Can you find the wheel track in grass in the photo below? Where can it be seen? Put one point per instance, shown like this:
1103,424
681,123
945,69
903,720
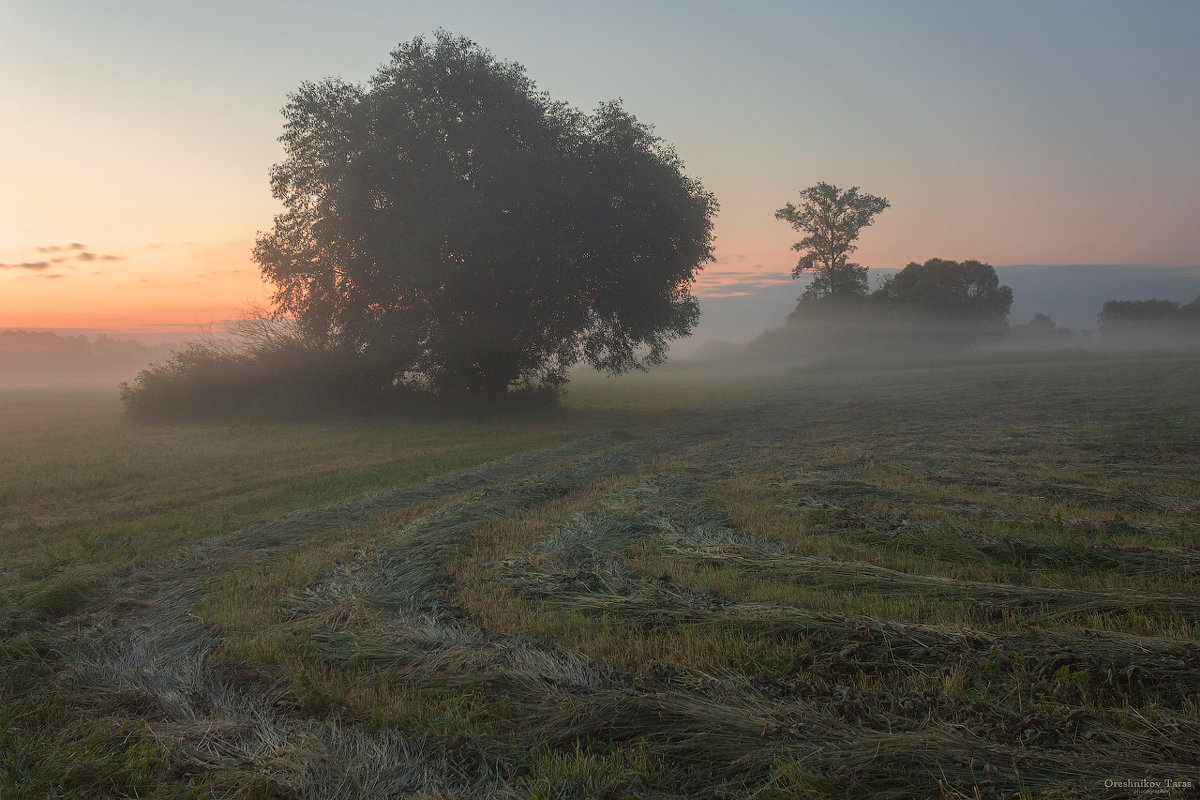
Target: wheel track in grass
145,650
144,653
1152,660
587,572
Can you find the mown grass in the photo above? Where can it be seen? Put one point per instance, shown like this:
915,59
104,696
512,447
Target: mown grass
963,580
80,479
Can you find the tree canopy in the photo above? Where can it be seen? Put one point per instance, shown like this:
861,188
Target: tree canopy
451,222
951,302
938,306
832,220
1150,319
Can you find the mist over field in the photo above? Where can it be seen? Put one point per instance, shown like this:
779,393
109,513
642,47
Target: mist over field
674,584
30,358
566,401
1071,295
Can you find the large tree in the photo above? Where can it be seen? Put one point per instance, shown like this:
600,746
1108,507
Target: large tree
832,220
451,222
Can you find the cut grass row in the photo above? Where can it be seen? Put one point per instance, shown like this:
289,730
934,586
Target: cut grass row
863,584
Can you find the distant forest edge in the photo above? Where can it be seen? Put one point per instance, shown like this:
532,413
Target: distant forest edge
37,357
34,357
892,320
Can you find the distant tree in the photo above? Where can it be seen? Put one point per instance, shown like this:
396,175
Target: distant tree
16,340
1151,322
69,350
832,220
1042,325
1137,317
452,222
1040,332
951,303
1190,314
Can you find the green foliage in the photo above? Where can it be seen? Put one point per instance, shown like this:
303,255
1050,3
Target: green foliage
1162,321
947,304
451,221
937,307
1135,314
962,581
833,220
58,598
215,382
1040,330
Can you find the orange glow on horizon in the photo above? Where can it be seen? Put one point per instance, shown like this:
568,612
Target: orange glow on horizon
190,287
153,288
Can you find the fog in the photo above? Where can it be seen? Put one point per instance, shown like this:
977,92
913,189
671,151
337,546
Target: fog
1070,295
43,358
1054,308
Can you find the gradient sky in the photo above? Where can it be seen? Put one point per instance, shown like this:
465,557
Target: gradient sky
136,136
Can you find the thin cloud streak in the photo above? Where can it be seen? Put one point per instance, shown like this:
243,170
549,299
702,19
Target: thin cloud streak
723,295
90,256
738,283
58,248
33,265
64,253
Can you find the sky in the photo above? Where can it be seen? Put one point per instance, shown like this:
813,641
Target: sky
137,136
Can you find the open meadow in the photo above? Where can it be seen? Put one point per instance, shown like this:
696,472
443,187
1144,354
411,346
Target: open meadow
973,580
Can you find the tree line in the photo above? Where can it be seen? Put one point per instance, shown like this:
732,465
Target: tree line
451,234
26,353
939,306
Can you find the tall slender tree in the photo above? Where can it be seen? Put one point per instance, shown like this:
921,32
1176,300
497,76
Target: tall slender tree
832,220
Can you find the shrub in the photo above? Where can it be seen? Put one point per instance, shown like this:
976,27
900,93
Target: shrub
270,370
265,368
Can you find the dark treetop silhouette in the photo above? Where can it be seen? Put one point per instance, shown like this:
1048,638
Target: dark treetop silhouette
833,220
449,221
947,304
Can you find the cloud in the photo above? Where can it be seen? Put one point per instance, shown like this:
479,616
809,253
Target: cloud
48,275
736,289
64,255
757,273
33,265
721,284
87,255
58,248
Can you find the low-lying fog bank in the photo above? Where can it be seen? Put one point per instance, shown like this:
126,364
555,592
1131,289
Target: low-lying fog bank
34,359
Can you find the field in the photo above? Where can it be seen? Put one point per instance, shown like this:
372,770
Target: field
975,580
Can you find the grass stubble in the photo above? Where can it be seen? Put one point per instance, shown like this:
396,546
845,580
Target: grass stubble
975,581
